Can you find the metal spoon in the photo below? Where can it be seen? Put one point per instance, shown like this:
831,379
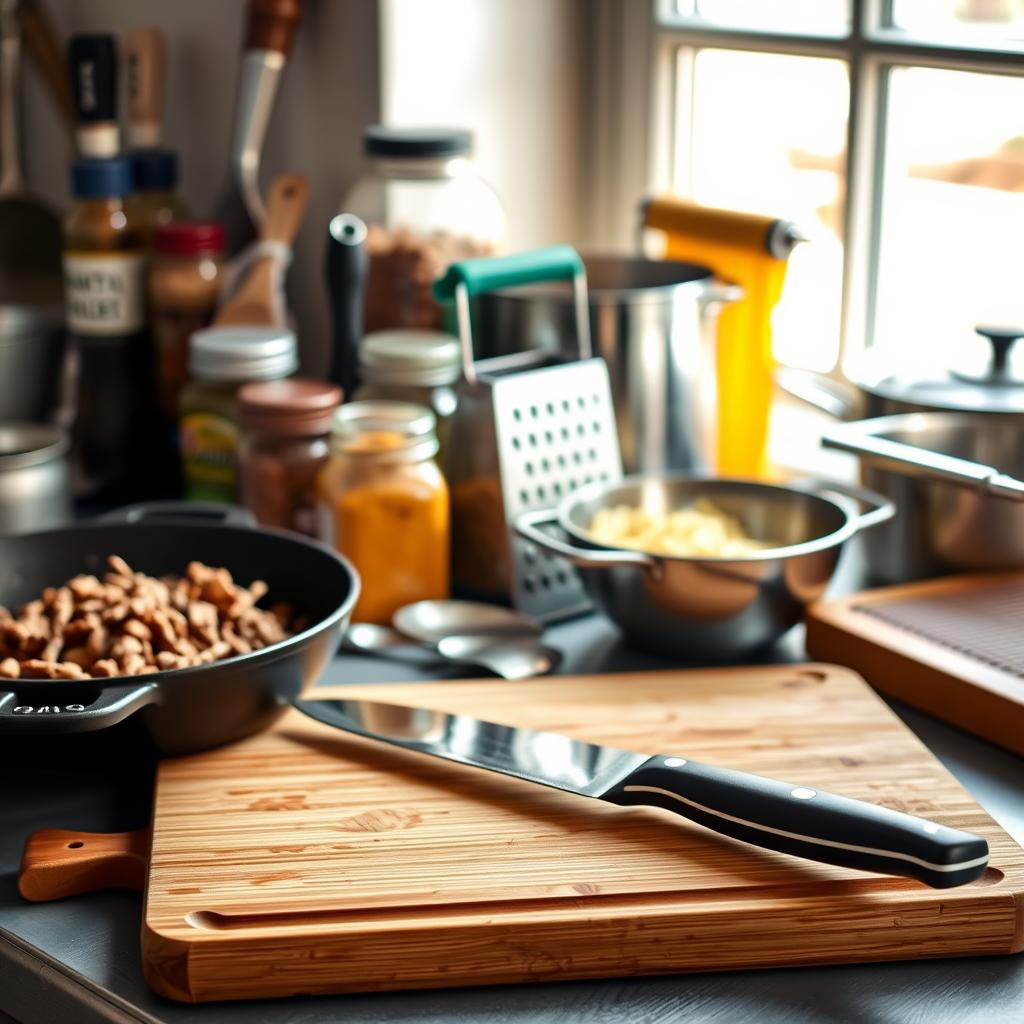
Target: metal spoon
432,621
383,641
508,657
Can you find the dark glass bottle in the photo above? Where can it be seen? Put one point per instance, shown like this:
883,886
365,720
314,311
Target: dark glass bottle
104,278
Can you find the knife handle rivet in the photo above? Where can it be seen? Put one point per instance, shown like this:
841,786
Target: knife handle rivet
675,762
803,794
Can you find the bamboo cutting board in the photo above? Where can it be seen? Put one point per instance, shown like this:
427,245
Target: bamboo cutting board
306,861
953,647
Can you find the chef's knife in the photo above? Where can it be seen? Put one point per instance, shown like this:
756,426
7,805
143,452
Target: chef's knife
790,818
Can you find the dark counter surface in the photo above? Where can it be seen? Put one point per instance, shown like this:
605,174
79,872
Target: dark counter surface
77,961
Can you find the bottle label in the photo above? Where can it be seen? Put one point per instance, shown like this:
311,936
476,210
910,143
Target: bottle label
104,293
209,453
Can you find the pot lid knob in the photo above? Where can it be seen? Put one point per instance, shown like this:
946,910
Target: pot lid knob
999,373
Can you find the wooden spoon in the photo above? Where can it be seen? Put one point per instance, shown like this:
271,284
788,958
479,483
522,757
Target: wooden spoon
253,302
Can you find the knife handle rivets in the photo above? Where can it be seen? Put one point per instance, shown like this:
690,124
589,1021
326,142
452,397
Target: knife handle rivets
803,794
675,762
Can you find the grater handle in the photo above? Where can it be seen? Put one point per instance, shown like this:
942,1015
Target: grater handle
529,524
466,278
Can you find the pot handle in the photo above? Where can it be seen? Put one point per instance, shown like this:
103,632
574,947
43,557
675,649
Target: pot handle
181,512
45,707
921,462
832,397
466,278
528,525
721,292
880,508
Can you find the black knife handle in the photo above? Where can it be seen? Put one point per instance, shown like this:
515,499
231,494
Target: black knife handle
806,822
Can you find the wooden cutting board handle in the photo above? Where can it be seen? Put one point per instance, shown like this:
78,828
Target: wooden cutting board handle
57,863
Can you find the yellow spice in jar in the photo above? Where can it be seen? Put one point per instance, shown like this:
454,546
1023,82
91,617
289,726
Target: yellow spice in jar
387,511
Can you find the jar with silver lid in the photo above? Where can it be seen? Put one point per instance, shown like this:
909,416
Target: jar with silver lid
221,361
421,367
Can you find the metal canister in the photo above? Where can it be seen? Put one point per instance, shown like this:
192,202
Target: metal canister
35,488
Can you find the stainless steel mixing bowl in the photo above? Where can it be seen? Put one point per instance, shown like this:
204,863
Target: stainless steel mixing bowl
710,608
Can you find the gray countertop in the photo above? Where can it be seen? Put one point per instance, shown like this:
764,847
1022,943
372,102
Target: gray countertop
77,961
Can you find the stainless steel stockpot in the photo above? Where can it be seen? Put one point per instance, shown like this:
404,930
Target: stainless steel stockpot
710,608
35,488
31,358
652,321
956,480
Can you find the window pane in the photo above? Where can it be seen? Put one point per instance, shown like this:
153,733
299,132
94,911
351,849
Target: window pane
970,20
952,225
831,16
768,135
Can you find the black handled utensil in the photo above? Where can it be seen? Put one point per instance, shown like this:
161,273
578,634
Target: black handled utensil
345,269
775,815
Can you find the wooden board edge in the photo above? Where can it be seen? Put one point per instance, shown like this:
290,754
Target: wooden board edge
979,710
495,952
846,613
366,690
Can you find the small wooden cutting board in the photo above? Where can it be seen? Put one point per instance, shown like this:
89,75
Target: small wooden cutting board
303,860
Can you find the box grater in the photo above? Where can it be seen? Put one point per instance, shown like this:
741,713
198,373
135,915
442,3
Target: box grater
529,429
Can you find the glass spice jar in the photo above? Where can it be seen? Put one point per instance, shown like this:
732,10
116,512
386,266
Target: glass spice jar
285,430
420,367
185,278
425,206
383,503
221,360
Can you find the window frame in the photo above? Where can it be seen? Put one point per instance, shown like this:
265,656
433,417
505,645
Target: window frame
872,47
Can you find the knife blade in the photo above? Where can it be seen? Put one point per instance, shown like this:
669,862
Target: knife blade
789,818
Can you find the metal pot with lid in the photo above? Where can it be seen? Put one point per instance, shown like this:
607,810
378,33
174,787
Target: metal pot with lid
957,480
991,384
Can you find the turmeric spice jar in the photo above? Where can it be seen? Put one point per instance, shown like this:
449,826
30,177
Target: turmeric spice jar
383,504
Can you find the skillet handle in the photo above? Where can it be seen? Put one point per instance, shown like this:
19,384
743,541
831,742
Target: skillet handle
49,707
182,512
529,524
56,863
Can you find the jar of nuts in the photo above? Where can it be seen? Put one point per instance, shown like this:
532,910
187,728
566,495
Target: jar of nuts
425,207
285,430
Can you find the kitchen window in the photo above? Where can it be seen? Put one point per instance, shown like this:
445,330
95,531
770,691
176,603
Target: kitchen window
891,130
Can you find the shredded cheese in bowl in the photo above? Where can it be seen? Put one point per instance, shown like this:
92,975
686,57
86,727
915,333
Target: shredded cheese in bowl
702,530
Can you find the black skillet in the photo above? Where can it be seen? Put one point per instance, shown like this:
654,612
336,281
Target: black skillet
189,709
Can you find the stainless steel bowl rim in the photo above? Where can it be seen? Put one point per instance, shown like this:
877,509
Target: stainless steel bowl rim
812,489
39,443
